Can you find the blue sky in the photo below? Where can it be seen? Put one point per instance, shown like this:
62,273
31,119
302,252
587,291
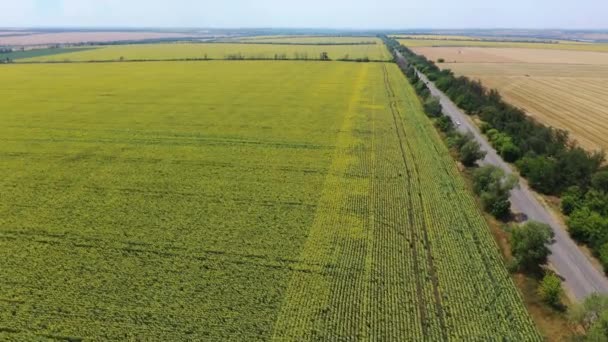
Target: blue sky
591,14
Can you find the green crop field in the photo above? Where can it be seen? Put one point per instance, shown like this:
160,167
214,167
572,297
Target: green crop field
314,40
427,37
17,55
252,200
220,51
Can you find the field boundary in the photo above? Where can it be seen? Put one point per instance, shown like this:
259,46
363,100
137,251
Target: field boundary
199,60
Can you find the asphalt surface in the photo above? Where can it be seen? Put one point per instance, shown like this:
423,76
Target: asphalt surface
580,277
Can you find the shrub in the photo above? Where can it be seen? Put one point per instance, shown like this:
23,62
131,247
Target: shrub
571,200
599,181
509,152
470,153
550,290
603,255
445,124
432,107
529,245
494,189
541,172
588,226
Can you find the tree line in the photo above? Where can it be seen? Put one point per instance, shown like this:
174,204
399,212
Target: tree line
529,243
240,42
551,162
545,156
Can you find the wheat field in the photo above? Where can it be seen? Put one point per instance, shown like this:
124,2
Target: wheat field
561,45
566,89
570,97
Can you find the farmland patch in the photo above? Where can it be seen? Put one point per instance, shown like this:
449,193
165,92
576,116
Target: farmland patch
222,51
238,201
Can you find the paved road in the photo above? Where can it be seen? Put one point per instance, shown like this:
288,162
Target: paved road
580,277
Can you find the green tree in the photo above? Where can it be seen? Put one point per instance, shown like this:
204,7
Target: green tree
530,245
497,205
445,124
471,152
542,173
550,290
588,226
509,152
432,106
603,255
494,189
421,89
571,200
577,166
599,181
597,201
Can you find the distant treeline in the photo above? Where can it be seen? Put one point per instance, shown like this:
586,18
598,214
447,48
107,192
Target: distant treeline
271,37
551,162
118,42
200,41
143,41
229,57
292,43
485,40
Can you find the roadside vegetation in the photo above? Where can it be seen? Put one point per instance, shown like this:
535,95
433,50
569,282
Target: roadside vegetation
546,157
527,244
591,319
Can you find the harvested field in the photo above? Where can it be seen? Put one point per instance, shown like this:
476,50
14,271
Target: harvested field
561,45
462,54
570,97
433,37
84,37
220,51
14,33
512,55
584,71
238,201
566,89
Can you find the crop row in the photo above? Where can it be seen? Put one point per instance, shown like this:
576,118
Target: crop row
405,252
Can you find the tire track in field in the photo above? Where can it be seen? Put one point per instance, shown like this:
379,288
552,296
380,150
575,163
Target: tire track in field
433,270
486,265
410,206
